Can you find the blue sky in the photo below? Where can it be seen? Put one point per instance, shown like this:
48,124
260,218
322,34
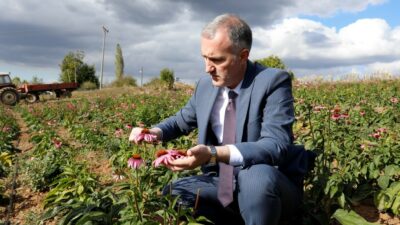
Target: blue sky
390,11
326,38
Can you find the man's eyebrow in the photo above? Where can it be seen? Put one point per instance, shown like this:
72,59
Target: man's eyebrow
212,57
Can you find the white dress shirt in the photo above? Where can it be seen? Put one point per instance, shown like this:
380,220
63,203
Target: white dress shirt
217,122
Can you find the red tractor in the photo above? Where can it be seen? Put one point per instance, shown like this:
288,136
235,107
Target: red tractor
10,94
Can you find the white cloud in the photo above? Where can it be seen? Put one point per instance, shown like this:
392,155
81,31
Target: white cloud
306,44
390,67
165,33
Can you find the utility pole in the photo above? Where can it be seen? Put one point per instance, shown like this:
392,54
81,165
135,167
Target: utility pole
75,69
105,31
141,76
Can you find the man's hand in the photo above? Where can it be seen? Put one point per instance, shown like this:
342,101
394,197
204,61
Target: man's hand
196,156
138,134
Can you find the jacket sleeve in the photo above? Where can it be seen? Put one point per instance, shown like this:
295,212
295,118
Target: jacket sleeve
275,134
182,123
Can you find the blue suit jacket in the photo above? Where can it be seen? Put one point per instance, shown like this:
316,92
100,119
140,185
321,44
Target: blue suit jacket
264,112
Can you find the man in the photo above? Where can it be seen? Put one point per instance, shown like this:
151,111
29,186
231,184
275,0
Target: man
267,169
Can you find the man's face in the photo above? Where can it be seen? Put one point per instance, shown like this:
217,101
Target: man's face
226,66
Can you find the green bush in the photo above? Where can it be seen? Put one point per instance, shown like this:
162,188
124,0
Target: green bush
88,85
42,171
126,81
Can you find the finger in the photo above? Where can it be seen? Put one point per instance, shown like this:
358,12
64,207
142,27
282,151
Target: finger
180,162
176,168
189,152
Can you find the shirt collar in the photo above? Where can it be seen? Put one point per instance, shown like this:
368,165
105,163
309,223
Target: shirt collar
236,89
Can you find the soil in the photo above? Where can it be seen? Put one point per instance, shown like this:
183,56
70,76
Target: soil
25,201
371,214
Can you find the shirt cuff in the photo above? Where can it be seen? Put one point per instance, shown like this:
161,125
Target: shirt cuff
160,138
236,158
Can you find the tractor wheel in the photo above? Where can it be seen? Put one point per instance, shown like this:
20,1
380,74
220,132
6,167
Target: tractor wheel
31,98
9,96
66,94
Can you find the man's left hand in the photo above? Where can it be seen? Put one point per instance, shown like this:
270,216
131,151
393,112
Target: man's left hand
196,156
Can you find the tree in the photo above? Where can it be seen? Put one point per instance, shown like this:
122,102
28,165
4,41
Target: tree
125,81
273,61
167,76
87,73
36,80
74,69
119,63
17,81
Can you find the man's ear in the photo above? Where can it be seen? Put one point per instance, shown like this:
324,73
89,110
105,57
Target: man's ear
244,54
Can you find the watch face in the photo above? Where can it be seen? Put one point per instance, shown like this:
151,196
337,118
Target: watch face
213,159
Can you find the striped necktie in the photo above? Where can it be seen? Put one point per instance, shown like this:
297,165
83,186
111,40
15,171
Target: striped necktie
225,185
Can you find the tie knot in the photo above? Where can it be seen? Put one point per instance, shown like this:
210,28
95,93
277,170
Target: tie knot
232,95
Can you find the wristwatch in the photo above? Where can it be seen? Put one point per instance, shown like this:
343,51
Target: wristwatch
213,159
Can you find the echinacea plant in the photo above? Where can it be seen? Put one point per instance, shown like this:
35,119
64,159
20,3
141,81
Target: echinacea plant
57,143
166,156
146,136
135,161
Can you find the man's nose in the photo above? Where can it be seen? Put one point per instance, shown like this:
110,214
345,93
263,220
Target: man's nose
209,67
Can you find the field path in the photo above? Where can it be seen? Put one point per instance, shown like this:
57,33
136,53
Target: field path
25,201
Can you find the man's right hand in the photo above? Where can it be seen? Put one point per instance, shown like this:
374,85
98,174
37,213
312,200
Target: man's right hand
138,131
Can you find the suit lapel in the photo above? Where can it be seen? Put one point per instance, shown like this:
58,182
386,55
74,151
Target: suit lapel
242,106
204,114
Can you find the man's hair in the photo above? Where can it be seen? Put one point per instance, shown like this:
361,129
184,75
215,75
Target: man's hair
238,31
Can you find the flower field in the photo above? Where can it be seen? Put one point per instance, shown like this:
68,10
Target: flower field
81,163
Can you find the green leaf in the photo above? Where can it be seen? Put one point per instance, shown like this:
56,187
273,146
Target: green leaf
383,181
396,205
391,170
345,217
342,200
80,189
382,200
92,216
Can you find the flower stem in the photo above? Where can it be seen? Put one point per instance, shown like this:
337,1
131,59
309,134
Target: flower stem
137,207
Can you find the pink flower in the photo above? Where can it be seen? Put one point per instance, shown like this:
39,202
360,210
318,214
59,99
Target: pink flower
70,106
381,130
57,143
166,156
128,126
335,116
362,113
146,136
336,110
376,135
135,161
